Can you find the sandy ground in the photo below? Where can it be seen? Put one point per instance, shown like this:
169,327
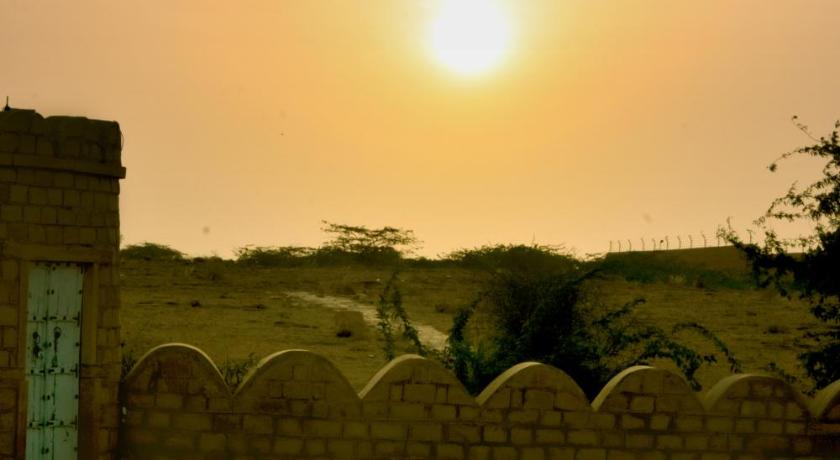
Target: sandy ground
430,336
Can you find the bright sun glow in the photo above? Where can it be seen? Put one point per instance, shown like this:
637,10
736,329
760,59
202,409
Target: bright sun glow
470,37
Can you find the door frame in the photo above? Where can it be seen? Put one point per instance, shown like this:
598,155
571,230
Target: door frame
90,374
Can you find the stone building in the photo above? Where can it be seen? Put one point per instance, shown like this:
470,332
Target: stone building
59,295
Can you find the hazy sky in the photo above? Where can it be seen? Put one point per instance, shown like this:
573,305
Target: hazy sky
249,122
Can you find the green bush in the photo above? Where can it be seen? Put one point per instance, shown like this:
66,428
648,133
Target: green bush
508,256
551,317
390,309
279,256
234,370
151,251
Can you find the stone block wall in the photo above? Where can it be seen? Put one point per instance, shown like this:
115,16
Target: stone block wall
296,405
59,188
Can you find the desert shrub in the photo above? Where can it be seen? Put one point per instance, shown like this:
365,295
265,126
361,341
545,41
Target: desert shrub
350,245
151,251
234,370
127,361
650,267
389,310
508,256
328,256
277,256
551,317
358,239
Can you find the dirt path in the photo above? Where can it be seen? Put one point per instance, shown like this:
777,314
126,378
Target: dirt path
428,335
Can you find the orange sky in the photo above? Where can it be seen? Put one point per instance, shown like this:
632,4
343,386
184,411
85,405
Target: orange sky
606,120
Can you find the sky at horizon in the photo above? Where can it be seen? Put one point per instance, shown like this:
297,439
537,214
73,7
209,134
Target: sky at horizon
248,123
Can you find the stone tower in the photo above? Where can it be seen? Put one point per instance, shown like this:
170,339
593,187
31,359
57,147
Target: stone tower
59,286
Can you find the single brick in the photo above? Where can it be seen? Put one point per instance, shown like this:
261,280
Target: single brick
549,436
521,436
494,434
620,455
169,401
11,213
660,422
158,419
288,446
426,432
504,453
539,399
478,452
191,422
524,416
407,410
688,423
591,454
603,421
289,426
418,450
583,437
745,426
443,412
381,430
639,441
630,422
469,434
643,404
532,453
315,447
259,424
561,453
770,426
449,452
719,424
341,448
389,449
395,392
18,194
715,456
753,409
212,442
551,418
355,430
577,419
669,442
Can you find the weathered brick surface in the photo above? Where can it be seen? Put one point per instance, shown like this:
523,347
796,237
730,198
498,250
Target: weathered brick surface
58,194
297,405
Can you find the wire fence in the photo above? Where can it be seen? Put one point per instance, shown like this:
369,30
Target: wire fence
674,242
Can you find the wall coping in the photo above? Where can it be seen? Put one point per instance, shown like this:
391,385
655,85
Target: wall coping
23,160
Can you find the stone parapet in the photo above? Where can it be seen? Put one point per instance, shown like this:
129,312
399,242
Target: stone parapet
297,405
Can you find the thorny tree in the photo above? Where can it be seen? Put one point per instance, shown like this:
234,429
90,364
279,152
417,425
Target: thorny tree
815,273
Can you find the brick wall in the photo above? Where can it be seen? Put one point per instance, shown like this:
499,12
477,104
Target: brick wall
295,404
59,187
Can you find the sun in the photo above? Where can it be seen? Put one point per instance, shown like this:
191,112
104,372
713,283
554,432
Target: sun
470,37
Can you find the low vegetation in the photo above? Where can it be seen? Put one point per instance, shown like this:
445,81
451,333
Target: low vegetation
235,310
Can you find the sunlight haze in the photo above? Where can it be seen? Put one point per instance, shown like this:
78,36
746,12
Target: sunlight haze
557,122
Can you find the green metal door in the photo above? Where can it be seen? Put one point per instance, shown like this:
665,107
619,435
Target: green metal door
53,341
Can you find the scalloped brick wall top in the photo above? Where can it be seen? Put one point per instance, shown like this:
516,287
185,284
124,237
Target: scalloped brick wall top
296,404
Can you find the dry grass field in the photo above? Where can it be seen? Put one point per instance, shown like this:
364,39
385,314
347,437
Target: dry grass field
235,313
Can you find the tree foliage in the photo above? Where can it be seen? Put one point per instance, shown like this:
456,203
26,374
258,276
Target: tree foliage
814,274
366,241
151,251
551,317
